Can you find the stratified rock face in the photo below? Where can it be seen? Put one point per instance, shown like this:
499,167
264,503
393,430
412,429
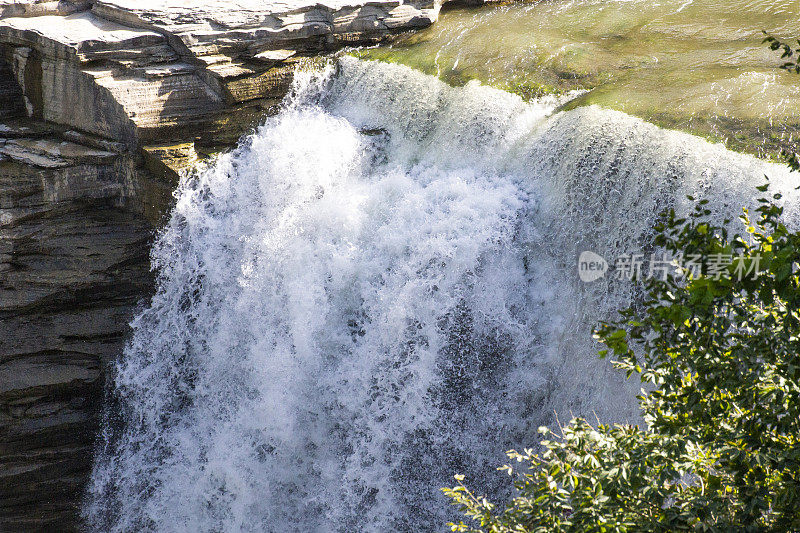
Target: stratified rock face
73,265
246,29
151,70
102,103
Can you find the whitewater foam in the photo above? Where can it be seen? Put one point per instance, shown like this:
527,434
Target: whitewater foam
377,290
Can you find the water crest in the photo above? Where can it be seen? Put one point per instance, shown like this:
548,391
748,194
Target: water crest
377,290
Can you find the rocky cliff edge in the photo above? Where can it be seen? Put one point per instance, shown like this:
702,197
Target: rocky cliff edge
102,102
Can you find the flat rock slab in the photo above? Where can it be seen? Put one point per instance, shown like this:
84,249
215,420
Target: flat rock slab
249,27
80,32
49,153
184,15
32,8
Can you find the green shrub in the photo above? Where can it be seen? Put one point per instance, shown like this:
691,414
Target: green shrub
791,63
722,452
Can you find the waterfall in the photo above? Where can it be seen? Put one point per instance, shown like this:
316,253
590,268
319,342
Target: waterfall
377,290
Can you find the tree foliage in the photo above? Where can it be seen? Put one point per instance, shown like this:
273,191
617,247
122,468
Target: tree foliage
791,63
720,354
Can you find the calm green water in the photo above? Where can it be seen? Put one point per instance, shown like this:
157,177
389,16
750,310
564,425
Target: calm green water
696,65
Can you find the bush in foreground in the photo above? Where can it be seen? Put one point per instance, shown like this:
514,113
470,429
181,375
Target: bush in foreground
721,354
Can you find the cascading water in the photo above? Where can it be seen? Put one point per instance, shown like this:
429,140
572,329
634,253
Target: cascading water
664,61
378,290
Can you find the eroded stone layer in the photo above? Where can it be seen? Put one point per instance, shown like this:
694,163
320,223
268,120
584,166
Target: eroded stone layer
73,266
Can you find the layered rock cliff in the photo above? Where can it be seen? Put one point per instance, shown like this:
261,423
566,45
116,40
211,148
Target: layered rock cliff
102,103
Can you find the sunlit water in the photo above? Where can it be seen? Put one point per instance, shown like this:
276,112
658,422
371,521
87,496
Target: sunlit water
696,65
378,290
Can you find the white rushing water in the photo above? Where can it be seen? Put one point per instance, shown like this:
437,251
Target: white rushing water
378,290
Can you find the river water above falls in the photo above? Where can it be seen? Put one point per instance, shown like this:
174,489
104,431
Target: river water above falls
695,65
377,290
